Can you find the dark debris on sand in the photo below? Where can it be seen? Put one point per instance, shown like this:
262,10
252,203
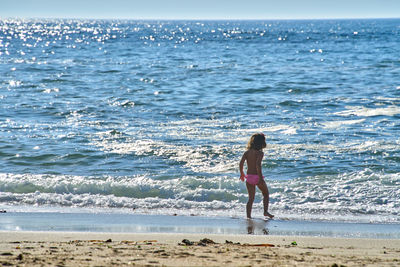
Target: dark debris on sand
203,242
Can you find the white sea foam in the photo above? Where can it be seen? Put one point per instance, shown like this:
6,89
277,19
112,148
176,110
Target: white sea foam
215,158
369,112
285,129
363,194
338,124
368,195
197,158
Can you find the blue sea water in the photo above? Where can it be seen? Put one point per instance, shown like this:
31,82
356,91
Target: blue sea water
153,116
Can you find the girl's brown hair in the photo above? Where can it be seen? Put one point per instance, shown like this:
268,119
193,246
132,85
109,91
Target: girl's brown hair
257,142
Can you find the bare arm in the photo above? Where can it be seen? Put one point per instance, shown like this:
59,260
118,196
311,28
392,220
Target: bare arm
241,164
258,165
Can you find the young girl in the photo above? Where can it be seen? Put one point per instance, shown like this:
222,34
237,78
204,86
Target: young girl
253,156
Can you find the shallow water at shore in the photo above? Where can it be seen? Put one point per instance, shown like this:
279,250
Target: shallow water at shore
140,223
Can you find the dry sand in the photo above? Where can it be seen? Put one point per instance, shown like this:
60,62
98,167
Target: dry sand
126,249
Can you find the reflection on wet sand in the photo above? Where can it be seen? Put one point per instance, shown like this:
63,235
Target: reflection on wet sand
257,226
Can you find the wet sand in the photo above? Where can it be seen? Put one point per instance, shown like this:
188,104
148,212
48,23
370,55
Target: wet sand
181,249
145,223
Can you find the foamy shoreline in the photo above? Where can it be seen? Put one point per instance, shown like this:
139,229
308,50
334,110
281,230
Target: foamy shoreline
169,249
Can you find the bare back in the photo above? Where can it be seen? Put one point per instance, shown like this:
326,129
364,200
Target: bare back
253,159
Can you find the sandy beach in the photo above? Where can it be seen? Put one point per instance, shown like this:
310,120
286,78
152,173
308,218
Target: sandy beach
172,249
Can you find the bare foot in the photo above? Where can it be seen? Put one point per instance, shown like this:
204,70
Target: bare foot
267,214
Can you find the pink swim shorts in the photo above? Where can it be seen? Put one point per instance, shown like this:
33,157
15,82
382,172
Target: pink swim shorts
252,178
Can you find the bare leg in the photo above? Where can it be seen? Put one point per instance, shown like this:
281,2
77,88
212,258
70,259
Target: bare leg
264,189
251,189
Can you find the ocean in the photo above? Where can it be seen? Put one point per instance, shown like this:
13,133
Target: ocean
152,117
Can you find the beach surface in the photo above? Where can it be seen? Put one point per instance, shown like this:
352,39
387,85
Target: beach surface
108,239
185,249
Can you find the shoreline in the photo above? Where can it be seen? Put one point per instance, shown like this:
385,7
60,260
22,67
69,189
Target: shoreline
108,239
145,223
171,249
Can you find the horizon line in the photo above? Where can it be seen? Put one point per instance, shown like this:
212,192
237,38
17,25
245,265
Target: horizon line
194,19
